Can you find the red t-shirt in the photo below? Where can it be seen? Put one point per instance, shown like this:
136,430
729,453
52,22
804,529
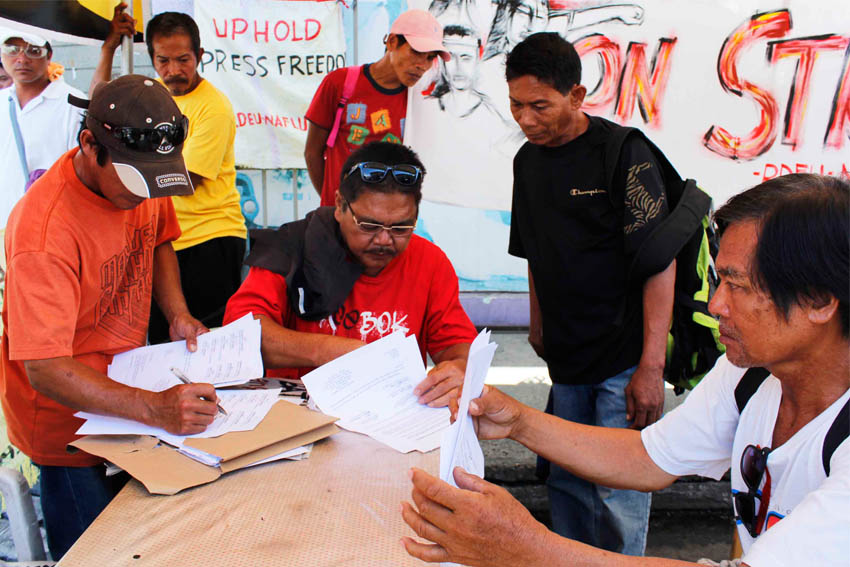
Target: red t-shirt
78,283
416,293
372,114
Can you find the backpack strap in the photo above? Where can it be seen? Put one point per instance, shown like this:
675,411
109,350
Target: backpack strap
838,432
351,74
19,139
747,386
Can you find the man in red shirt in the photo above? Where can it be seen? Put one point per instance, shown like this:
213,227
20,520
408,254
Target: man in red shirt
377,106
353,273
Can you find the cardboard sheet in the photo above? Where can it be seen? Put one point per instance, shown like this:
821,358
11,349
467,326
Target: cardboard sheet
339,507
164,470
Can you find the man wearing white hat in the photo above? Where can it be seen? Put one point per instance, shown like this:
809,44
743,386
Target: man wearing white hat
355,106
37,125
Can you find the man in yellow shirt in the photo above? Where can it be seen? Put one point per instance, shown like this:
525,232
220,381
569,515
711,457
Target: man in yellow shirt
212,246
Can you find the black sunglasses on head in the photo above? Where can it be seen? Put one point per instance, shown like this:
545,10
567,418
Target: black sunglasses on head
148,139
375,172
753,466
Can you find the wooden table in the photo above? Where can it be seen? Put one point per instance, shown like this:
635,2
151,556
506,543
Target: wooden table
339,507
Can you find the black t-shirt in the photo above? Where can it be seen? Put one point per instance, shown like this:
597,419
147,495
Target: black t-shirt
579,237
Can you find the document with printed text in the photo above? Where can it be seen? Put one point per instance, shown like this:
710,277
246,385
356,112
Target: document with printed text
370,390
460,447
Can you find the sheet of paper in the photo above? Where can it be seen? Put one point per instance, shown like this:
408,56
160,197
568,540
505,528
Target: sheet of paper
226,356
296,454
371,391
245,410
460,447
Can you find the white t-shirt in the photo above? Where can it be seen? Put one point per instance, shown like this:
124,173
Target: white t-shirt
808,519
49,127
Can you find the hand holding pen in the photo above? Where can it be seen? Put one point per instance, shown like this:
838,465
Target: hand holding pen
185,379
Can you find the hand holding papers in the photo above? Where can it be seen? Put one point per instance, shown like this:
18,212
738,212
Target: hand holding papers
460,447
371,390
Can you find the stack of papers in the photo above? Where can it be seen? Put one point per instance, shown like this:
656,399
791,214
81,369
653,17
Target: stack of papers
460,447
226,356
370,390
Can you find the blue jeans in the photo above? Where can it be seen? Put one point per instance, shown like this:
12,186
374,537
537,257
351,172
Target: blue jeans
615,520
71,498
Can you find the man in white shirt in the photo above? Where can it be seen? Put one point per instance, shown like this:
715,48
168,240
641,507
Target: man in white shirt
775,407
48,125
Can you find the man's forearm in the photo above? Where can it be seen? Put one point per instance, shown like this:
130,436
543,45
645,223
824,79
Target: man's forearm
314,155
458,353
611,457
167,290
79,387
103,71
285,348
658,293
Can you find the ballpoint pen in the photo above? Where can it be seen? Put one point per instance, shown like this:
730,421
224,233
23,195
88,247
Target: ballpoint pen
185,379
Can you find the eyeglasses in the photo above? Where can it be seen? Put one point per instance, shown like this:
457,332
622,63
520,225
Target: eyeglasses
31,51
149,139
374,227
753,467
374,172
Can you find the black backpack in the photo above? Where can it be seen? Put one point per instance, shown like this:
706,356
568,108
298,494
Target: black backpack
687,235
837,433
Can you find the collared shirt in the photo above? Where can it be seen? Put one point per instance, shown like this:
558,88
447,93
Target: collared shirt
49,127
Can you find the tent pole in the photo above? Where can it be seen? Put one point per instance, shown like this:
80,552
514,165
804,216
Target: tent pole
127,47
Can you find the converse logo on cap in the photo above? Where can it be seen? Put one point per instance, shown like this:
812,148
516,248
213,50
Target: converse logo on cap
171,179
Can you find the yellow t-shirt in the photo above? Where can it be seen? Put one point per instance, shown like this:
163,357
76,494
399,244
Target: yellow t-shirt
214,210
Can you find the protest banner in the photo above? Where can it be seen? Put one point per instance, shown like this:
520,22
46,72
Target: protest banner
733,92
268,57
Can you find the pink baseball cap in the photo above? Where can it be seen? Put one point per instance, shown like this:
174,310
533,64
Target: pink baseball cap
422,31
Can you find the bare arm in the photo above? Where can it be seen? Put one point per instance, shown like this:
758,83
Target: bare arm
535,318
645,392
121,25
179,409
314,155
168,294
285,348
447,375
611,457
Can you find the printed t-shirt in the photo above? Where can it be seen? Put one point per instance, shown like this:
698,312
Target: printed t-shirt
807,521
78,284
372,114
579,237
416,293
49,126
214,209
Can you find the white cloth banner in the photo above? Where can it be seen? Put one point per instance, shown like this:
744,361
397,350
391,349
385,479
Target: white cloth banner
734,92
268,57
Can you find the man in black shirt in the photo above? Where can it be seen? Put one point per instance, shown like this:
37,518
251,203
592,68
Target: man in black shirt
579,221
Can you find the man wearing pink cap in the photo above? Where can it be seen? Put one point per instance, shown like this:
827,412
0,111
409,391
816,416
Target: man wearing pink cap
357,105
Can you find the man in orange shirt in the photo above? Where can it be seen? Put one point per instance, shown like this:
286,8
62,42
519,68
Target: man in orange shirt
87,247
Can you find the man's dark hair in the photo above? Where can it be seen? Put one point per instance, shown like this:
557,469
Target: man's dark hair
170,23
547,56
803,250
387,153
102,151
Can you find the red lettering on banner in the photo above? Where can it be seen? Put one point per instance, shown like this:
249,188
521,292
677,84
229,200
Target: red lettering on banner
839,118
273,120
243,27
276,35
759,139
317,26
635,82
220,33
258,33
771,170
609,56
807,50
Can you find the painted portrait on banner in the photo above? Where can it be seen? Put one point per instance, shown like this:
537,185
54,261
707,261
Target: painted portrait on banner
734,93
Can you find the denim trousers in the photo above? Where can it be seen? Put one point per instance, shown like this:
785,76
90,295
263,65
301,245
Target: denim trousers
71,498
615,520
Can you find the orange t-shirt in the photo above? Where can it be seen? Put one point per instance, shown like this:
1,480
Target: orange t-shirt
78,283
